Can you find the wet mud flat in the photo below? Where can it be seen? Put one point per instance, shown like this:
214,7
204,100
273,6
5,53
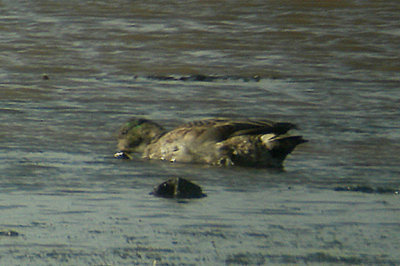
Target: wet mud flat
239,225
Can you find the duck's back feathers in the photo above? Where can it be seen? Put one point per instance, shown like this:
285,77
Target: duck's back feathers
220,129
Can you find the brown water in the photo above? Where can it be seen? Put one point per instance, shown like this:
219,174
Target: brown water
332,67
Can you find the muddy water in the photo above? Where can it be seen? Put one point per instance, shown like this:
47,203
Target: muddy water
73,71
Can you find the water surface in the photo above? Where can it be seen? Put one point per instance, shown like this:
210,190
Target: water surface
329,66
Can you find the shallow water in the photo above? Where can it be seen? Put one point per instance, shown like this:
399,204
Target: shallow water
329,66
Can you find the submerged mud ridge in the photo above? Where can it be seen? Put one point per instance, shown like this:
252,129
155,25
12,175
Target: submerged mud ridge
204,78
368,189
9,233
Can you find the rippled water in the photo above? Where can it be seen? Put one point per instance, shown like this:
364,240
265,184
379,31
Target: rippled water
329,66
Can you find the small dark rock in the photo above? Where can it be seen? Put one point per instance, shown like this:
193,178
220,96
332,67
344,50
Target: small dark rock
45,77
178,188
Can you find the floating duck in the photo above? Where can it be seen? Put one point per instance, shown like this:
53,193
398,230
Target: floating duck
218,141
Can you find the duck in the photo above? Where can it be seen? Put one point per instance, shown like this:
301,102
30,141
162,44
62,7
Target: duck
213,141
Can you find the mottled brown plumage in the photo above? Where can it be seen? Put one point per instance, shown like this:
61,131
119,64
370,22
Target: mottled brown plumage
220,141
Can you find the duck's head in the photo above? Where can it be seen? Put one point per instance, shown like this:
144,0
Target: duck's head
137,133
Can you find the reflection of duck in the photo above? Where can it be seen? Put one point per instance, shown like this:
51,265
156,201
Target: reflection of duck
220,141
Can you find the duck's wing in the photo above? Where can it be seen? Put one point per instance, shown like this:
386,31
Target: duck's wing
220,129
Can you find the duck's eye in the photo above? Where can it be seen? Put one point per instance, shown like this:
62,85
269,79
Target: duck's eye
128,128
141,121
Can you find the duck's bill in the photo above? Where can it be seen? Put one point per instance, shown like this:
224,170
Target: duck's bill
122,155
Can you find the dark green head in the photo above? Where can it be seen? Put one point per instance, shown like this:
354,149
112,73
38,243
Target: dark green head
137,133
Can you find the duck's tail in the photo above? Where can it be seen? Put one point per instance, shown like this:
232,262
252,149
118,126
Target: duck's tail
280,146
